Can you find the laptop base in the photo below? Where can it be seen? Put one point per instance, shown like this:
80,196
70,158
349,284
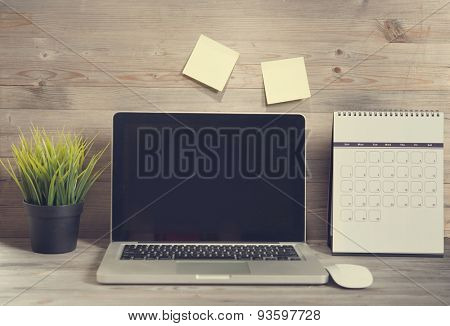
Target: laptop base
113,270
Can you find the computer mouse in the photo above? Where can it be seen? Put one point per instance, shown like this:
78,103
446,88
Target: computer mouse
350,276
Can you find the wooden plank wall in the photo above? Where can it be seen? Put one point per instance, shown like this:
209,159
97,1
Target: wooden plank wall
74,63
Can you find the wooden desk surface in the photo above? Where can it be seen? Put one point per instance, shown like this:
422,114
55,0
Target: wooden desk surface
32,279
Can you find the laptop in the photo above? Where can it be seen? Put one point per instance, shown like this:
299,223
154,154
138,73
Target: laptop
209,198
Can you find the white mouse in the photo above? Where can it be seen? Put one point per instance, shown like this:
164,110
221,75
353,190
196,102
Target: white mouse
350,276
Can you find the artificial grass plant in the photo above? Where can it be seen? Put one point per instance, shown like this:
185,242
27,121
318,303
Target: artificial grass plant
54,170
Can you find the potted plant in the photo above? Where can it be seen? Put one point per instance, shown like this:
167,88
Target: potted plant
54,175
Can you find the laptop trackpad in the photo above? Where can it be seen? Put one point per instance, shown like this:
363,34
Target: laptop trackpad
212,268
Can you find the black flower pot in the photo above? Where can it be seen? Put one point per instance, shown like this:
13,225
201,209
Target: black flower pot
54,229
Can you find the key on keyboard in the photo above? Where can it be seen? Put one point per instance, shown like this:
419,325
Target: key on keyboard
209,252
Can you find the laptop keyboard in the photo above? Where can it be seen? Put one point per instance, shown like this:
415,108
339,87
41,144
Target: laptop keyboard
209,252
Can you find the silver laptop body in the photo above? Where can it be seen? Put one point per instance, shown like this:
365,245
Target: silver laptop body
130,257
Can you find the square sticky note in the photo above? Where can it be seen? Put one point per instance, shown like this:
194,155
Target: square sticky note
211,63
285,80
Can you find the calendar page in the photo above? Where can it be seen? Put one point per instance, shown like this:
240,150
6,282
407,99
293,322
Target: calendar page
387,183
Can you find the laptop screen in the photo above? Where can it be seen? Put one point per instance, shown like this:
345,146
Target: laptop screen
190,177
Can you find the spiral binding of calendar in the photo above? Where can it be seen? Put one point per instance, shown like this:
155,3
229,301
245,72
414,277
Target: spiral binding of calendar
393,113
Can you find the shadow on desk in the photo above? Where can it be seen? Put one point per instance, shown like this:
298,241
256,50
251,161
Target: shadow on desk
21,244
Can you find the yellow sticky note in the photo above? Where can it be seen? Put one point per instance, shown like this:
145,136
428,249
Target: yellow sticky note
211,63
285,80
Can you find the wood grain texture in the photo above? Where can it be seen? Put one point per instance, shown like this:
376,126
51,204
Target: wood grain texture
397,281
77,63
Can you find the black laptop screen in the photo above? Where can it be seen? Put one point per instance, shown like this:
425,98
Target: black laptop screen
208,177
